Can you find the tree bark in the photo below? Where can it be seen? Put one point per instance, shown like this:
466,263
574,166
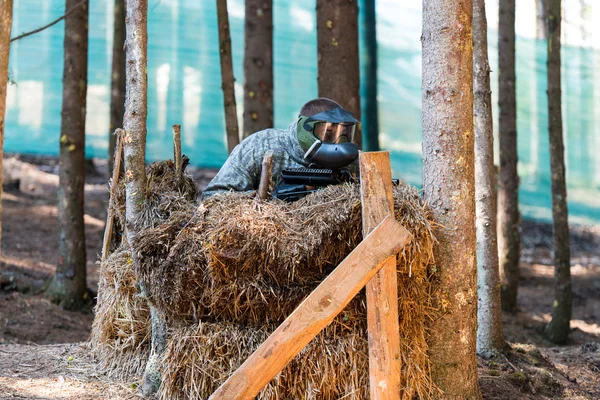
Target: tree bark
117,83
370,118
134,124
136,110
490,338
509,241
337,46
558,329
5,27
258,66
68,287
231,122
542,17
449,188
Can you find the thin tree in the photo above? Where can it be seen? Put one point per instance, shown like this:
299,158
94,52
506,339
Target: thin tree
509,241
117,83
231,122
449,188
370,118
489,313
68,287
134,124
5,26
337,47
557,330
258,66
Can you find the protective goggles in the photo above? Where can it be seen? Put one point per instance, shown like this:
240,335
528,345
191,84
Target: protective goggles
330,132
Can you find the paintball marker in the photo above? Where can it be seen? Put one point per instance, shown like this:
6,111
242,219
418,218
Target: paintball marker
296,183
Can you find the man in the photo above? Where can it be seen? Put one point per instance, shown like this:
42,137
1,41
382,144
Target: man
321,137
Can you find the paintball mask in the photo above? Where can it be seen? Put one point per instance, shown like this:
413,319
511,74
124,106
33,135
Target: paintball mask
327,138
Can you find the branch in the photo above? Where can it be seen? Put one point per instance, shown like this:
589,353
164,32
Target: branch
21,36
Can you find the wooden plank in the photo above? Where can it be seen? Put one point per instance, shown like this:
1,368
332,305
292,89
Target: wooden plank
315,312
266,175
382,291
177,150
110,218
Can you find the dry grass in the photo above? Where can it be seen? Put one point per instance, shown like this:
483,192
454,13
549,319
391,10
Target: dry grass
199,358
227,271
121,330
166,193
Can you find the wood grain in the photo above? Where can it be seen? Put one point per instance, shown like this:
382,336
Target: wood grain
382,291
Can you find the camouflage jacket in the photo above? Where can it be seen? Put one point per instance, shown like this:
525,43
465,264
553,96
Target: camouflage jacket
241,171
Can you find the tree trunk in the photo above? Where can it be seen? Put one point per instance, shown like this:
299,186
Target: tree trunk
258,66
117,83
542,17
489,314
370,118
5,26
134,123
231,122
68,287
558,329
509,241
449,188
337,46
136,110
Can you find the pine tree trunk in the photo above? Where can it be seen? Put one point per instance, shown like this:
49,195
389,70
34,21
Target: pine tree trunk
370,118
449,188
117,84
542,17
489,314
231,122
68,287
558,329
5,26
337,47
258,66
134,123
136,110
509,241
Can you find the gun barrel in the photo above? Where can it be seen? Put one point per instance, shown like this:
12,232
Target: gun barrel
310,180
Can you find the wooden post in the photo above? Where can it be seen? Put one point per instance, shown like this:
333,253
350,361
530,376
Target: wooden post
115,181
315,312
382,291
265,175
177,149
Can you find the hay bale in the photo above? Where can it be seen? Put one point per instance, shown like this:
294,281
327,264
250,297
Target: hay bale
166,194
238,260
121,329
199,358
255,253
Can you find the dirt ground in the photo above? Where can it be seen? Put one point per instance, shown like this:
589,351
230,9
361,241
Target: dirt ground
42,349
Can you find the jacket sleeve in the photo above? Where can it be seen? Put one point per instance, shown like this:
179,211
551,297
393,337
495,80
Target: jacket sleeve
240,172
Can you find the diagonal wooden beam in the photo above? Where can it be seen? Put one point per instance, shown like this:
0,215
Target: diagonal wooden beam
315,312
382,291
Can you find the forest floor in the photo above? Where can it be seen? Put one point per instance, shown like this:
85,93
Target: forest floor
43,354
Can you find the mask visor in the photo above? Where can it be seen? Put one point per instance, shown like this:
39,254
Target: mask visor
335,133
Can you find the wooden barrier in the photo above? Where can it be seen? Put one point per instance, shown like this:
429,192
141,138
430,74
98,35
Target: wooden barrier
382,291
383,238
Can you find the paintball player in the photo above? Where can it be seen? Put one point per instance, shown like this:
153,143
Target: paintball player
322,137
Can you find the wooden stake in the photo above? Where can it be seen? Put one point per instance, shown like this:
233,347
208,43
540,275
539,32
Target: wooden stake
265,175
315,312
177,149
115,180
382,291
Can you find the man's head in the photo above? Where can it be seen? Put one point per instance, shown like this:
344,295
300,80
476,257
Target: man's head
326,132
